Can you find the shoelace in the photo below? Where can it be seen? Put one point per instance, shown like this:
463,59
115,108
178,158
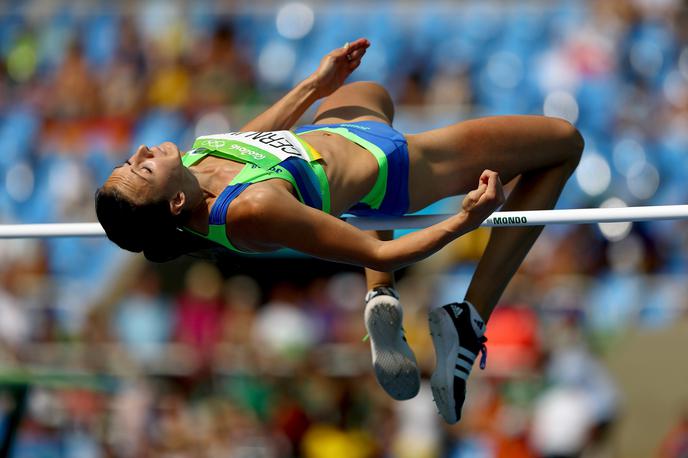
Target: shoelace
483,353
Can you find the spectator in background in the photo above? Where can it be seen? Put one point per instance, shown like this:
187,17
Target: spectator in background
71,83
143,319
199,311
242,297
221,74
170,82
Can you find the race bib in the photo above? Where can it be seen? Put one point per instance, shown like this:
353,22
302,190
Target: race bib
265,149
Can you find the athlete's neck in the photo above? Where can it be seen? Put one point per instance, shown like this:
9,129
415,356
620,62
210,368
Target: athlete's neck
198,201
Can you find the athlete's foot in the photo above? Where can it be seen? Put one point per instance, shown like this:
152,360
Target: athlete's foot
394,363
457,334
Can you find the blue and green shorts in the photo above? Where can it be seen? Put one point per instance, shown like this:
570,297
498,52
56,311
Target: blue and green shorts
389,195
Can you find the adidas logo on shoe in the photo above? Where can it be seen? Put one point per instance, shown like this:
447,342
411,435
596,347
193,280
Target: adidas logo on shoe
458,340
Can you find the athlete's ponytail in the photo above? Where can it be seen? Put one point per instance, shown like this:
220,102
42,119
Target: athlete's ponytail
149,227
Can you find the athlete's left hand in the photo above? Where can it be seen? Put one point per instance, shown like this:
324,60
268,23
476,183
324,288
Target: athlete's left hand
337,65
484,200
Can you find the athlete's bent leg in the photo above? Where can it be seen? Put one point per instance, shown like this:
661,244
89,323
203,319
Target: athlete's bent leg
394,363
358,101
542,153
508,246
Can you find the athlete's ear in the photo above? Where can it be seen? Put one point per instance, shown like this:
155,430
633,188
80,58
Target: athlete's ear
177,203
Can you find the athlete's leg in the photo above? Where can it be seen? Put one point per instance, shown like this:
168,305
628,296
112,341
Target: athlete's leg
374,278
542,151
395,365
361,101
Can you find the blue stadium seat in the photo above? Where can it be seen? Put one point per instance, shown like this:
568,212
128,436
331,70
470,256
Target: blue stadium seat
19,128
158,126
100,38
614,300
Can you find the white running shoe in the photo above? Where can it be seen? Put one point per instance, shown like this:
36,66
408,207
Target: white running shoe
457,335
395,365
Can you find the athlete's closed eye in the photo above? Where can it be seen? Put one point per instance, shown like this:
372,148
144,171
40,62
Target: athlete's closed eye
121,165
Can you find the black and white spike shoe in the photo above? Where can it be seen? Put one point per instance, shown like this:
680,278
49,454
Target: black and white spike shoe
395,365
457,333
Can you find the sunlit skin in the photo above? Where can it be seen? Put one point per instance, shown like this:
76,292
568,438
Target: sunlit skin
470,157
156,173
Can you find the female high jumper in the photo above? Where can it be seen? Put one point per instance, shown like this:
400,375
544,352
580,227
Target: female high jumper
264,187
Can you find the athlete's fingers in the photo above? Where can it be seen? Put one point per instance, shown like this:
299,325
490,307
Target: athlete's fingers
355,59
487,173
495,183
357,54
354,65
486,177
491,187
494,191
351,49
358,44
470,200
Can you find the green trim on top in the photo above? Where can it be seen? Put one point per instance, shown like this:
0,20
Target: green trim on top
254,174
376,195
255,170
218,234
192,156
319,172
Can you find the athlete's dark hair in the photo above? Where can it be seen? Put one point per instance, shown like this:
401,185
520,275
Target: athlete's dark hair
148,227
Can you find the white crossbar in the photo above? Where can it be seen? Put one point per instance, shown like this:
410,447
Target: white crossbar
536,217
524,218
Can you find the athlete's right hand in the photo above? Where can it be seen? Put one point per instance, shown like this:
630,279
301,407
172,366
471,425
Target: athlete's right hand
337,65
485,199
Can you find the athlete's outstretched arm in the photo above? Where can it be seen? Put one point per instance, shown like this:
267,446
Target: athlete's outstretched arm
272,218
334,69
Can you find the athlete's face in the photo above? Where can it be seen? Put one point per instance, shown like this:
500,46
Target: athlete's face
151,174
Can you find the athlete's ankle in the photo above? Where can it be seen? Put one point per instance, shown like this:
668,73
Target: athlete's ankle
482,311
381,290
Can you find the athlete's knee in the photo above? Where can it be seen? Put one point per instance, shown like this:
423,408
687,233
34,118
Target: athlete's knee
376,92
572,142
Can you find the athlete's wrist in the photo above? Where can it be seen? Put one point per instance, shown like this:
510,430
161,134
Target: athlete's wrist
461,223
312,88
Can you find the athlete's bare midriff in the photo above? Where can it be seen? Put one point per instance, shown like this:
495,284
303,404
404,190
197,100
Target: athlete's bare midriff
351,171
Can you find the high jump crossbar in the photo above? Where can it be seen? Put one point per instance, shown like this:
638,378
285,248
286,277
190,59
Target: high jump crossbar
497,219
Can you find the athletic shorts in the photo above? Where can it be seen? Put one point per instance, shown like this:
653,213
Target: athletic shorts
389,196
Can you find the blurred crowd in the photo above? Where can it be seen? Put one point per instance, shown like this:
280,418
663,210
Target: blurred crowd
124,359
225,367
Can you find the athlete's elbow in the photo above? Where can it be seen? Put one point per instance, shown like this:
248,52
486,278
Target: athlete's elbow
383,259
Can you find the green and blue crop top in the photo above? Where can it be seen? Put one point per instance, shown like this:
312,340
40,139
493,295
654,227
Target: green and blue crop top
266,155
